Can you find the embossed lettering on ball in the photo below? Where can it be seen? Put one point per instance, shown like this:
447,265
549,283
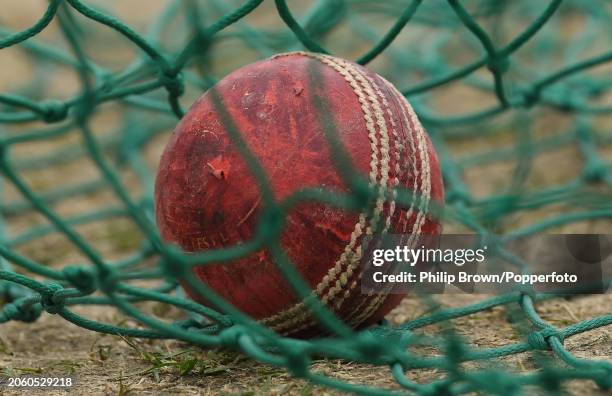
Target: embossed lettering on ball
207,197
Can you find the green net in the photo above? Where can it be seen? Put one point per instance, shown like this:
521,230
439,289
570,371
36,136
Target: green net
499,86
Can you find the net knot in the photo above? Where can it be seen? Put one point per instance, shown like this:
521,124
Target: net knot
22,311
188,324
107,279
455,351
80,277
174,263
229,337
11,311
369,345
540,339
54,111
271,223
52,300
362,194
526,290
173,82
530,98
498,64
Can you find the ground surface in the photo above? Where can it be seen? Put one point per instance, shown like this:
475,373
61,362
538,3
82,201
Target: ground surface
104,364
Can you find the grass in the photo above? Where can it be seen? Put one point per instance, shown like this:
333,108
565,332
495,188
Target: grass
186,362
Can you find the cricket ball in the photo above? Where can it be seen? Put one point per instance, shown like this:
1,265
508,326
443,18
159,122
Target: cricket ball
207,196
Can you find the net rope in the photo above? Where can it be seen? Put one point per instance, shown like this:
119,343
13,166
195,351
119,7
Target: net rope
518,72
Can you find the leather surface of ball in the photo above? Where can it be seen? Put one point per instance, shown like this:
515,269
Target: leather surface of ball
207,197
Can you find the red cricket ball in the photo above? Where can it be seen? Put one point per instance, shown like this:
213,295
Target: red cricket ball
207,197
